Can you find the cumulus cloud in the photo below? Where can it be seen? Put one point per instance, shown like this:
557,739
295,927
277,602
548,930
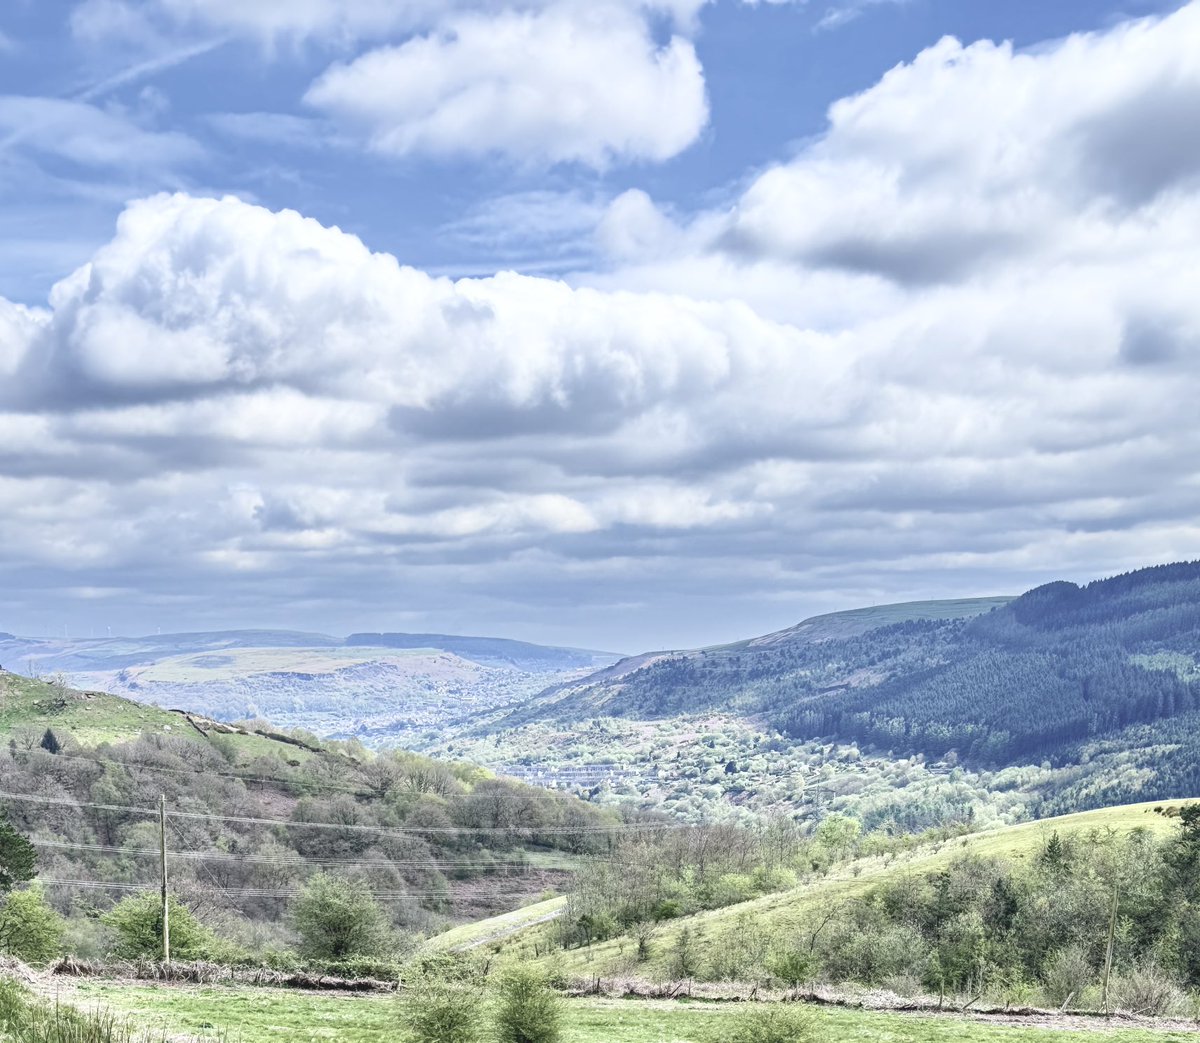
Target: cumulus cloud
538,81
570,83
970,359
970,154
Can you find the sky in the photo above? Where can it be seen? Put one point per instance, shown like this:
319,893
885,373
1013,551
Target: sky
625,324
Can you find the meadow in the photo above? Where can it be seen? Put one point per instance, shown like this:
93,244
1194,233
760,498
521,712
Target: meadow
256,1015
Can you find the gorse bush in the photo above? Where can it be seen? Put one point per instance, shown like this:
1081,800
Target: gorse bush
527,1009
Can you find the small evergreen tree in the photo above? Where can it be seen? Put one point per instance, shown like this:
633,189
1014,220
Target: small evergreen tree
50,742
18,857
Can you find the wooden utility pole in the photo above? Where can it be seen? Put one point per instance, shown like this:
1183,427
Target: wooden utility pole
162,846
1108,953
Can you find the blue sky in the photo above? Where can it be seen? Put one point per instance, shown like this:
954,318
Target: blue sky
771,72
764,357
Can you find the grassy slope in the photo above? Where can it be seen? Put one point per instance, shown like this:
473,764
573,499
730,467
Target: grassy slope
92,718
859,620
496,928
261,1015
779,910
602,685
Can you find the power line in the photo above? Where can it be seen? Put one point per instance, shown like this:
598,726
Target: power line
297,860
623,827
261,779
247,892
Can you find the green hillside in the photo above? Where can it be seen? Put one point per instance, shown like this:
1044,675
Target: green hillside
855,621
996,681
256,814
90,718
785,912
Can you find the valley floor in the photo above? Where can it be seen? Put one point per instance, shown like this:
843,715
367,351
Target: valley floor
257,1015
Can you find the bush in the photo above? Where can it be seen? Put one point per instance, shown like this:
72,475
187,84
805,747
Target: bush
1148,990
29,928
793,967
137,922
527,1010
338,919
1067,974
442,1012
767,1023
448,967
685,960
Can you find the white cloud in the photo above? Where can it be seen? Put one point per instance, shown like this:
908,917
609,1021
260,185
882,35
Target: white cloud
571,83
88,135
18,328
632,226
973,351
340,22
539,223
968,154
837,15
113,21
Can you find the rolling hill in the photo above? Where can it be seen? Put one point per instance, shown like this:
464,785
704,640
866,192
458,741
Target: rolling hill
378,687
784,912
996,681
254,811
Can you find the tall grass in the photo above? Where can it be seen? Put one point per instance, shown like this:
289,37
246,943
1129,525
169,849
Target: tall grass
24,1018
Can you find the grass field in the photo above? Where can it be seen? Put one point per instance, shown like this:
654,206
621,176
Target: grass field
786,907
92,718
259,1015
497,928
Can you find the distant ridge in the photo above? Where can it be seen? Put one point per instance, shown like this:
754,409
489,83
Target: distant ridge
488,649
994,680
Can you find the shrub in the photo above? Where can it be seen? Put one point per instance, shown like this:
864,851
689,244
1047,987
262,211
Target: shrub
29,928
767,1023
448,967
442,1012
527,1011
643,935
1147,989
18,857
793,967
730,889
684,959
137,922
338,919
1067,974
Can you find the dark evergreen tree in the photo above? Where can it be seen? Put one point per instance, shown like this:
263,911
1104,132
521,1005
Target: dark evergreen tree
18,858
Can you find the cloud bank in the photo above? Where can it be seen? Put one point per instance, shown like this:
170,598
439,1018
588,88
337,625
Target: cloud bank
958,335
